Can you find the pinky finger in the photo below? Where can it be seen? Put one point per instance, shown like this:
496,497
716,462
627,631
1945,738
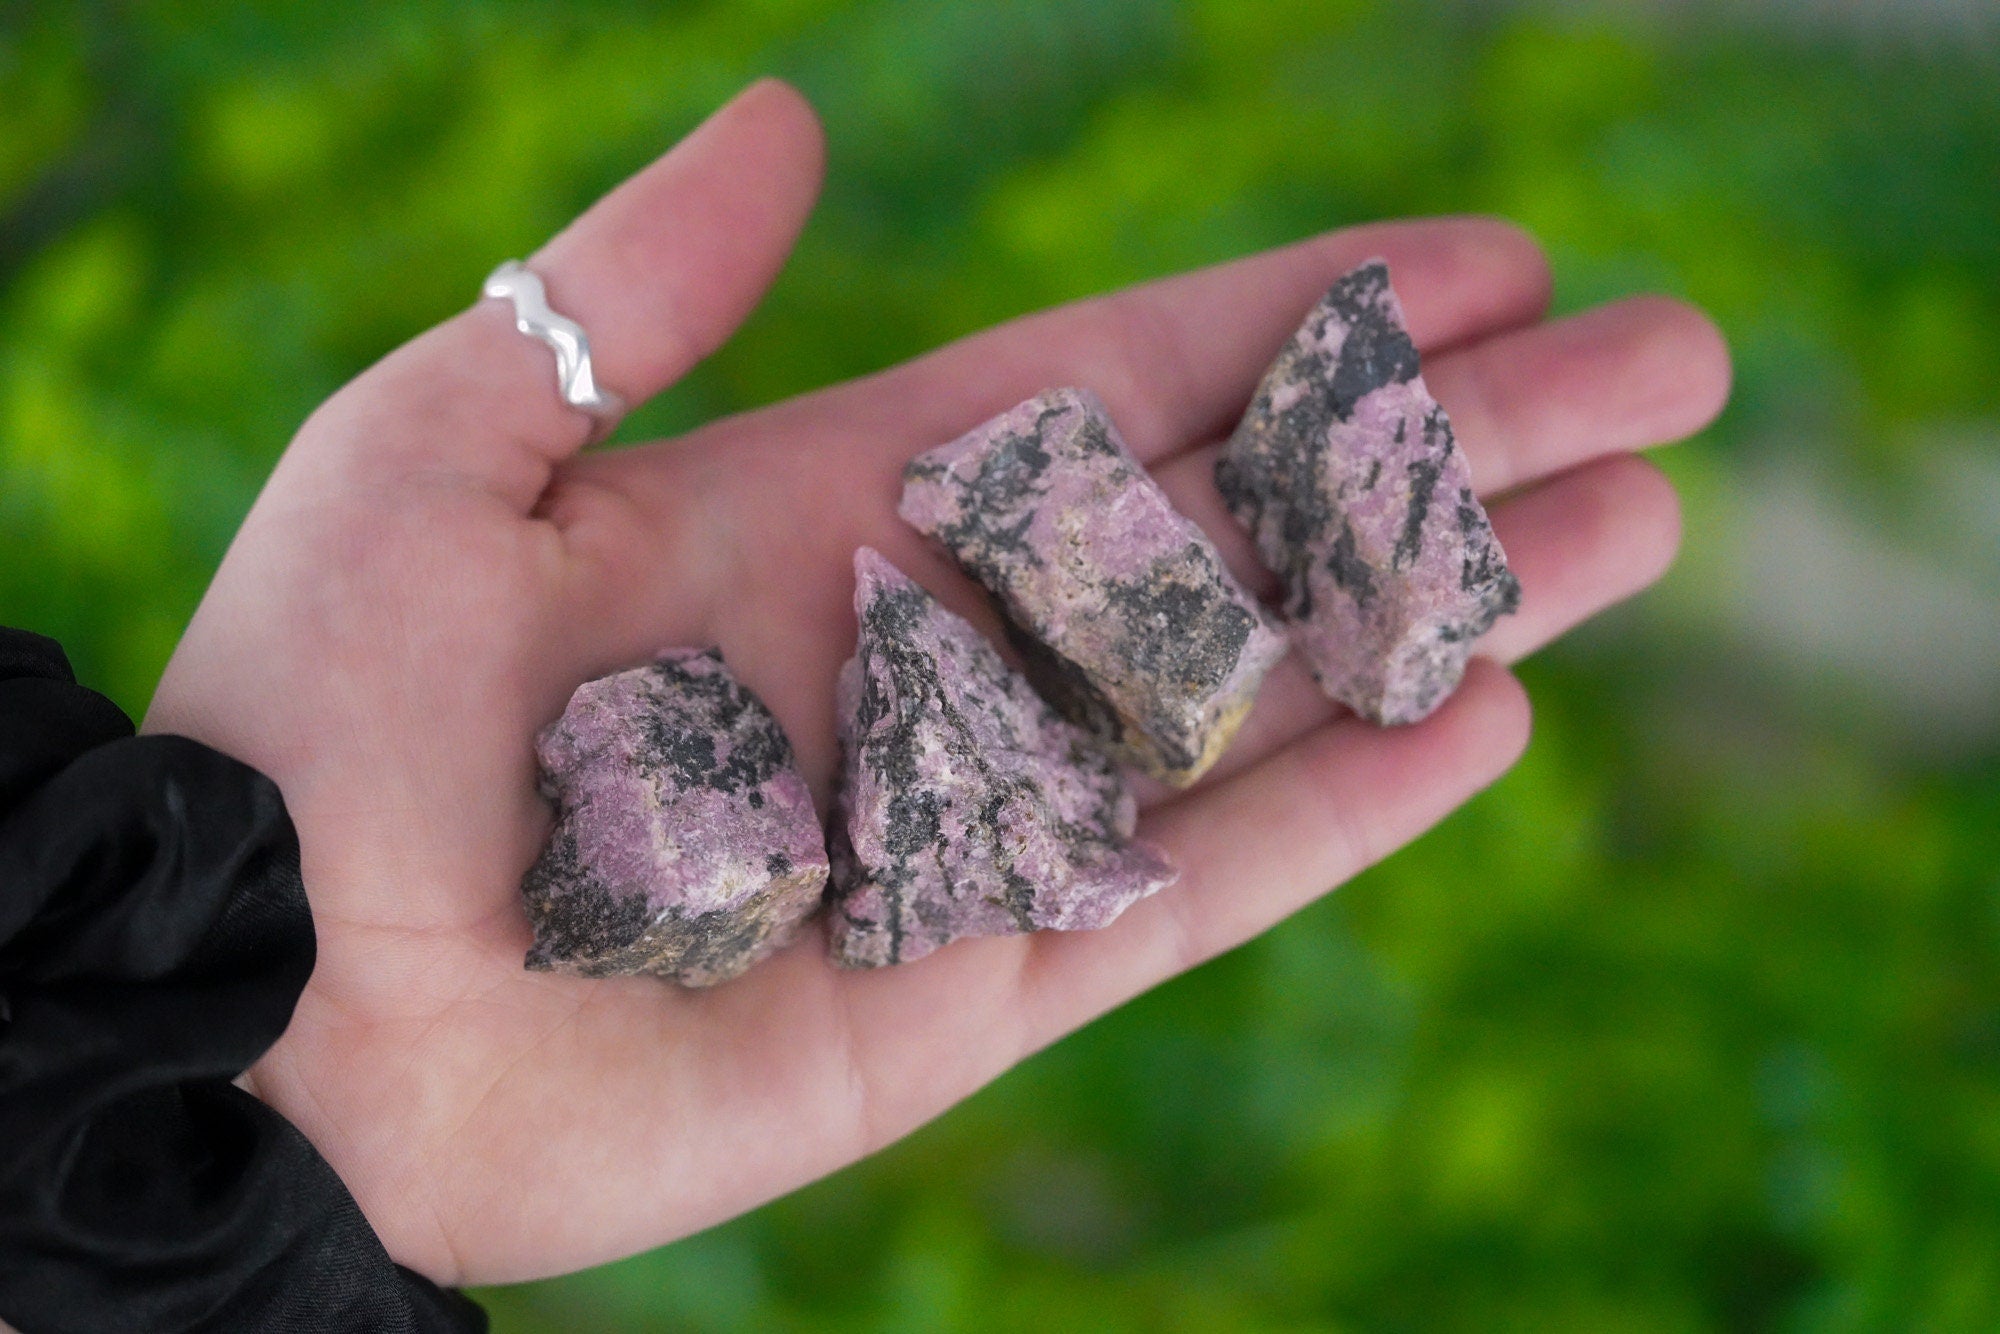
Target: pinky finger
1273,838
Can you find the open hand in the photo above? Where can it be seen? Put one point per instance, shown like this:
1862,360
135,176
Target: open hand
433,568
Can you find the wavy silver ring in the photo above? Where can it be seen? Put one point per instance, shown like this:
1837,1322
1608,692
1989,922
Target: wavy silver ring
532,316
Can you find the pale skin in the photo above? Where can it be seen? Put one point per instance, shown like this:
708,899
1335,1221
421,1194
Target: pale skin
433,567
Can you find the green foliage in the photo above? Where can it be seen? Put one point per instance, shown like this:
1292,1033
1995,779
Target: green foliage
1693,1022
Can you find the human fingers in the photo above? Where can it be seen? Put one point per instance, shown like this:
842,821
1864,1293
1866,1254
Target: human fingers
1531,400
1174,358
658,272
1628,375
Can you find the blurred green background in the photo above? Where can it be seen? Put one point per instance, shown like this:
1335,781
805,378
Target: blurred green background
1692,1023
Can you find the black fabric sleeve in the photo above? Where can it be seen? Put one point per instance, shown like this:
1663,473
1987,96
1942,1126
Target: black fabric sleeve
154,938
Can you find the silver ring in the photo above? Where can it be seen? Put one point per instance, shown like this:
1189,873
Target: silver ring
532,316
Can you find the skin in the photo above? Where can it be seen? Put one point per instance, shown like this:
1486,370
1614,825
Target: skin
433,568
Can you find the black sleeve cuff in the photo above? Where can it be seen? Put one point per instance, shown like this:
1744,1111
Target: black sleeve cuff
154,937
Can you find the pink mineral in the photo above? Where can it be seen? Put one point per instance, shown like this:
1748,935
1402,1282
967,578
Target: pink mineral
685,840
967,807
1123,612
1347,476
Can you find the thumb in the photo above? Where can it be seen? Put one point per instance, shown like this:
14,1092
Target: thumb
659,273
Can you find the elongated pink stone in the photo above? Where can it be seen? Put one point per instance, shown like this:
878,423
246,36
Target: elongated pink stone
1125,616
685,840
966,806
1346,473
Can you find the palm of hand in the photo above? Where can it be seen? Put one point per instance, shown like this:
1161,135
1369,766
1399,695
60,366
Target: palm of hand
432,569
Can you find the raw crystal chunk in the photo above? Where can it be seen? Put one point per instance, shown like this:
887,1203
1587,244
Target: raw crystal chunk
967,807
685,840
1345,472
1124,613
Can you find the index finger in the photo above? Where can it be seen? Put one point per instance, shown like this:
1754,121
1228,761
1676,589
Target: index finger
1176,359
659,272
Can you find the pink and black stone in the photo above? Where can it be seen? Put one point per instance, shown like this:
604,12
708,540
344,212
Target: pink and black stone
967,806
1346,473
1122,610
685,840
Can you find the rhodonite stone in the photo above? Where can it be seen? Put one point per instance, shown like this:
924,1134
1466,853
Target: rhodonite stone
1123,612
685,840
966,806
1346,473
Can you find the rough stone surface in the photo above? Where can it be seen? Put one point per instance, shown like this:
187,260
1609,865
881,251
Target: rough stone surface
967,806
1123,611
685,841
1346,473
